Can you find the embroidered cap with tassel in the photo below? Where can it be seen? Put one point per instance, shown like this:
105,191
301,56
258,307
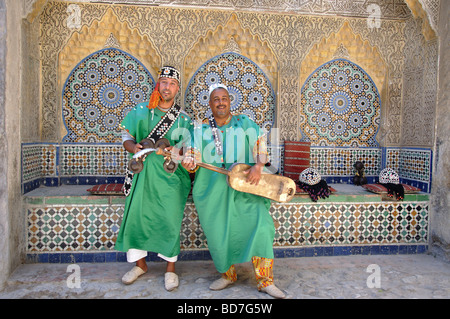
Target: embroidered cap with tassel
165,72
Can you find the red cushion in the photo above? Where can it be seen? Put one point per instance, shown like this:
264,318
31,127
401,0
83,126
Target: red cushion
411,189
296,158
106,189
380,189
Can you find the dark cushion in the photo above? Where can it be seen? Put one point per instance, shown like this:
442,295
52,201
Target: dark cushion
300,191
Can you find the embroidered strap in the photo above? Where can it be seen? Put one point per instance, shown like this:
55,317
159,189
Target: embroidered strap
166,123
217,139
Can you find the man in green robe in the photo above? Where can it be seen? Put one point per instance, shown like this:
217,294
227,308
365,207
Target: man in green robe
237,225
155,205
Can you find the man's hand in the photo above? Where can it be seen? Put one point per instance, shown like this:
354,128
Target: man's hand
132,147
254,173
188,163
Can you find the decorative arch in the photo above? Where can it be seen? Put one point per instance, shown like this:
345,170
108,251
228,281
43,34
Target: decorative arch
348,45
340,106
91,38
99,92
250,90
108,32
428,11
231,37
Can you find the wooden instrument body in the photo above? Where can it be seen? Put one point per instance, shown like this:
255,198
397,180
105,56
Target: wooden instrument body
275,187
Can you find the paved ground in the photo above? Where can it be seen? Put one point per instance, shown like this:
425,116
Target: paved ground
347,277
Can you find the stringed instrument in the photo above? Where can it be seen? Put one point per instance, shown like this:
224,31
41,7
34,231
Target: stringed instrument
276,187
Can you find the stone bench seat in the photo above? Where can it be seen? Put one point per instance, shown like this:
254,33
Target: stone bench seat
69,224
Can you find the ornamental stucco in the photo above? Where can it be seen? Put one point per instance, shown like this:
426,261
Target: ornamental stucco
282,45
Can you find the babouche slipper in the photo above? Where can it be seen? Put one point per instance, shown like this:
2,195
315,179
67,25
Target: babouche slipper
274,291
220,284
170,281
132,275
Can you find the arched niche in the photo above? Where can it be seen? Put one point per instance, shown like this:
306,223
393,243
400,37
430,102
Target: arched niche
340,106
99,92
251,92
108,32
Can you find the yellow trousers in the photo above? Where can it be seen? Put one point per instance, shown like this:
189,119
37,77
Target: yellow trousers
263,268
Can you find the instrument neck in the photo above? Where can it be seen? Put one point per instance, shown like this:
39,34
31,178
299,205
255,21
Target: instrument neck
178,157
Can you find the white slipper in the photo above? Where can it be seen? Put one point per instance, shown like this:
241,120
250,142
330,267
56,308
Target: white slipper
170,281
220,284
273,291
132,275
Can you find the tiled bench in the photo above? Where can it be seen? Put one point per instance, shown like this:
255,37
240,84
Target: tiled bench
67,224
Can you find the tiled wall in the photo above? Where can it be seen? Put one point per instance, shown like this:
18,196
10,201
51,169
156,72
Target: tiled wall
90,164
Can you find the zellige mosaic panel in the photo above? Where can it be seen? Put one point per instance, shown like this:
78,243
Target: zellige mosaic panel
95,227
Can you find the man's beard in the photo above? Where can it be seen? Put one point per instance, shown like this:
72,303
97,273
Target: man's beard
222,112
170,99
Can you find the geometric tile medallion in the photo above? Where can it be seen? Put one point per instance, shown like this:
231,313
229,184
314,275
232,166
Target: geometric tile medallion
340,106
250,90
99,92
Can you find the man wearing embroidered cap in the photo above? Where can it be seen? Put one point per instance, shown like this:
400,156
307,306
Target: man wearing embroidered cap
156,199
237,225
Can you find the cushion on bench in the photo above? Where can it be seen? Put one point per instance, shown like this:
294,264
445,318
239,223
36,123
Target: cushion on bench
106,189
380,189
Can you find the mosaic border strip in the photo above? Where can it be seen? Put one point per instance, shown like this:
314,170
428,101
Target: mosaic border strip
414,166
92,160
76,228
39,160
90,164
297,252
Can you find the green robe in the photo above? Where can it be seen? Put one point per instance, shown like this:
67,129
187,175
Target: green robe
154,209
237,225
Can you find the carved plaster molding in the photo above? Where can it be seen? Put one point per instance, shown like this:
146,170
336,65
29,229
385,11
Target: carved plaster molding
232,46
112,42
278,43
389,9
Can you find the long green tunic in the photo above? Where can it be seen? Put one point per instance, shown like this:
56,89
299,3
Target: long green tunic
154,209
237,225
